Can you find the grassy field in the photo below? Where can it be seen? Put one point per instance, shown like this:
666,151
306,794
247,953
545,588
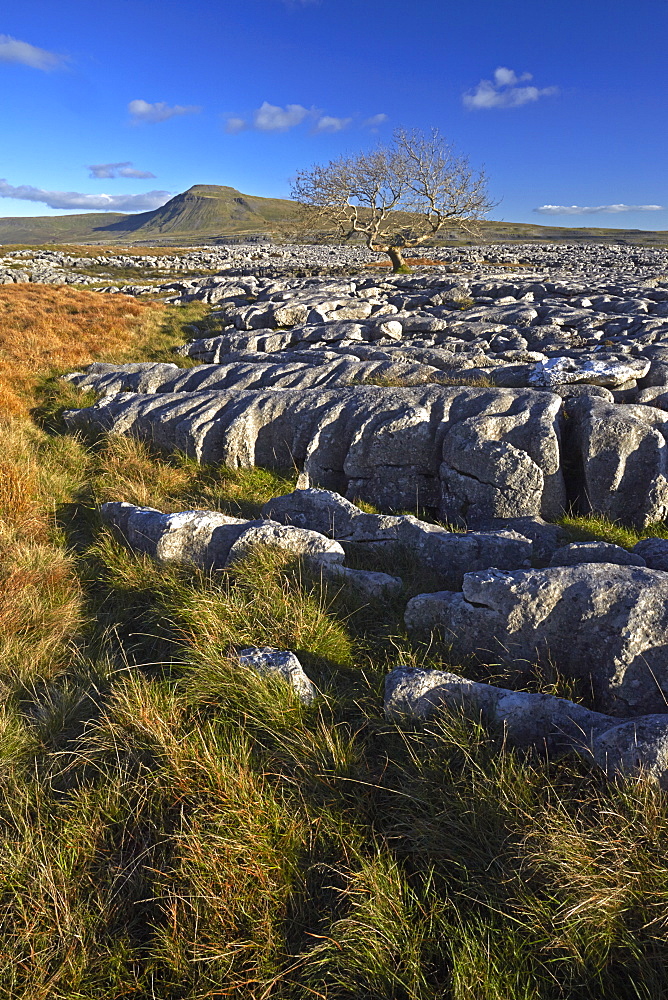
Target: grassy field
173,827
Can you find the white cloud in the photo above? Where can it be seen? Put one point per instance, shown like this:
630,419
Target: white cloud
504,77
105,171
272,118
329,124
234,125
375,121
14,51
144,111
593,209
504,91
90,202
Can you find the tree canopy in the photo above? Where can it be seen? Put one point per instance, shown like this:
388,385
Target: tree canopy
395,197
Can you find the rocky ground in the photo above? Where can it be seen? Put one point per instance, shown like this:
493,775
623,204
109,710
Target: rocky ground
490,393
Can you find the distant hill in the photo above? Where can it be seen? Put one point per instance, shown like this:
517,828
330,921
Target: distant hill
203,213
204,210
207,213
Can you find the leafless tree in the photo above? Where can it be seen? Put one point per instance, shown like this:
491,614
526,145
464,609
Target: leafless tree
395,197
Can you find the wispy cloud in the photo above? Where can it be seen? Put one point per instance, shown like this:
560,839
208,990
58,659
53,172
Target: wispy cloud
594,209
375,121
330,124
506,90
144,111
105,171
14,51
90,202
234,125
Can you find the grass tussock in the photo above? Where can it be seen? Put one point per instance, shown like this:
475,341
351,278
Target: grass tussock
176,826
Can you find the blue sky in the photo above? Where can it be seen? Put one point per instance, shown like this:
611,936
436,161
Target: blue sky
124,105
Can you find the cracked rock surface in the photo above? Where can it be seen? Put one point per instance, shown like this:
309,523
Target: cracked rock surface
464,452
447,554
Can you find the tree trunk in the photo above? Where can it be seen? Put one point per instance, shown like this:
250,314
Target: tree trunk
399,265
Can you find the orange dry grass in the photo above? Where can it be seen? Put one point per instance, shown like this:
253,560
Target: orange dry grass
41,611
43,327
19,507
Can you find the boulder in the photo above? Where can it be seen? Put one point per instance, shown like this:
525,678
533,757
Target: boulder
628,747
266,661
320,510
367,584
545,538
620,460
595,552
209,539
603,624
654,552
299,542
607,373
194,537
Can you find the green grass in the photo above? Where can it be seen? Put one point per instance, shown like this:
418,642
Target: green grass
176,827
595,528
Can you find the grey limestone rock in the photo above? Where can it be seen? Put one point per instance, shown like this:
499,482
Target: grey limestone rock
209,539
198,537
320,510
108,378
214,541
545,538
595,552
368,584
499,464
491,451
654,551
608,373
657,375
446,553
604,624
266,660
623,460
628,747
300,542
575,391
656,395
272,372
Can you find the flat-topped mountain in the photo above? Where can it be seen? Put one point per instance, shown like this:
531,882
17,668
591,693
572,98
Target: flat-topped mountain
208,213
205,209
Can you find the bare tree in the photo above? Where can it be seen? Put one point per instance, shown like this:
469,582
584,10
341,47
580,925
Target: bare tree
395,197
